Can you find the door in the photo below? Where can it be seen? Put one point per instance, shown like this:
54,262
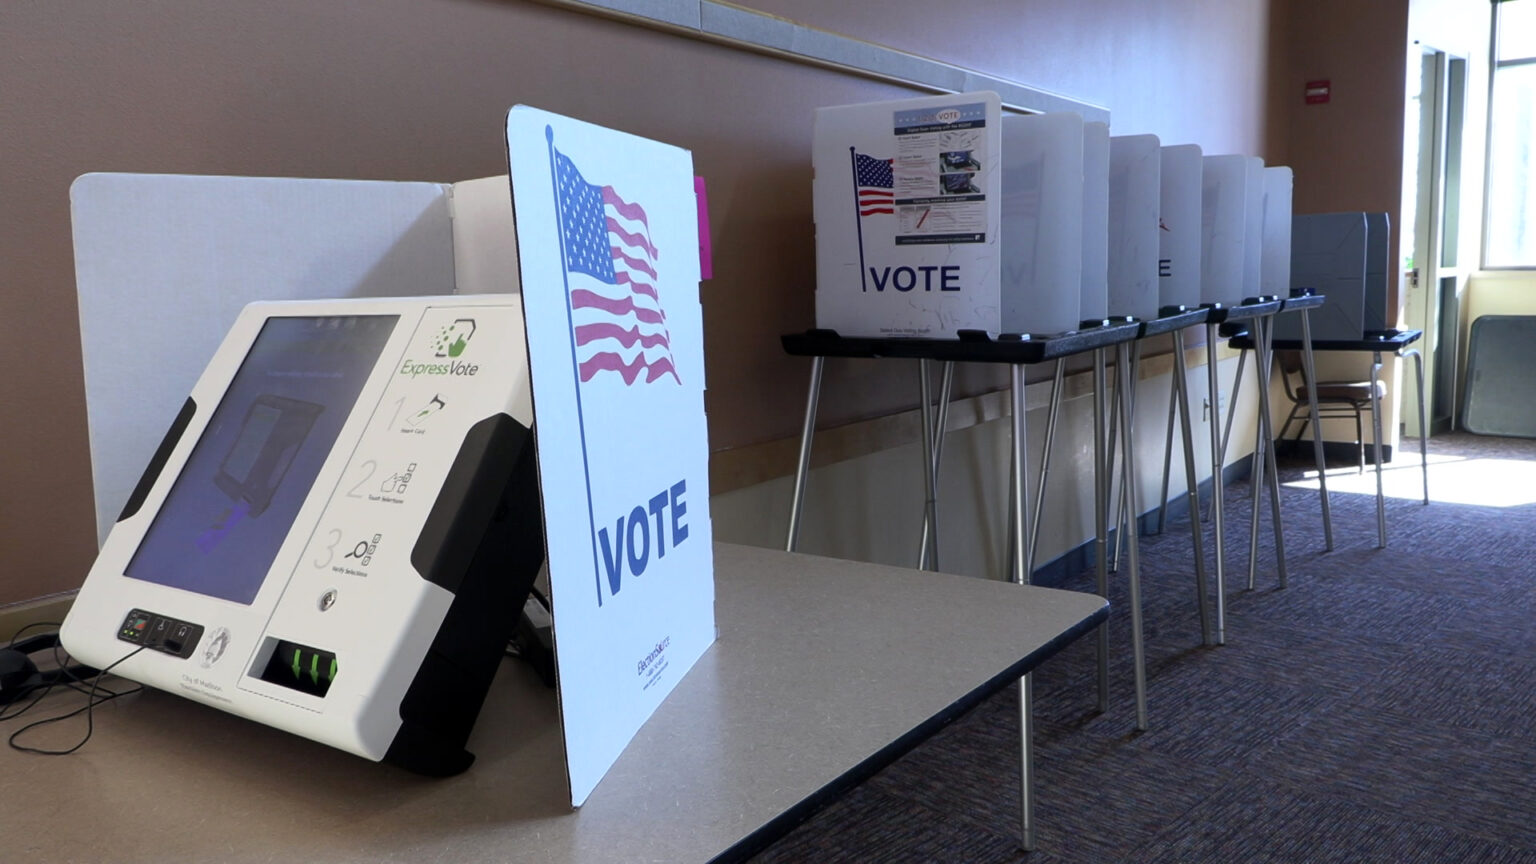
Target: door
1430,231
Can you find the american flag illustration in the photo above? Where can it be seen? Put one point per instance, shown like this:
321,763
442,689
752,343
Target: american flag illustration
875,184
617,318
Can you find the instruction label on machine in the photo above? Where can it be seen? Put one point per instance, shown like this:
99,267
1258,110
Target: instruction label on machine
939,152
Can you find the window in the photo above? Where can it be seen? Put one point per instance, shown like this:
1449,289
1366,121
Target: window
1509,238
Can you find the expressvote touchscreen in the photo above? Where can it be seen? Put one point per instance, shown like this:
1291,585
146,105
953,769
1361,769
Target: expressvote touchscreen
339,530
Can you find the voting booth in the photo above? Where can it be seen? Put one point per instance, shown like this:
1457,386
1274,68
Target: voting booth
940,214
338,532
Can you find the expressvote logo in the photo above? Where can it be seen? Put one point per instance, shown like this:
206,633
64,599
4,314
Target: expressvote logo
446,346
452,339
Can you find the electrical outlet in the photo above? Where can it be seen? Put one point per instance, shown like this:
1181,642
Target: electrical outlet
1205,406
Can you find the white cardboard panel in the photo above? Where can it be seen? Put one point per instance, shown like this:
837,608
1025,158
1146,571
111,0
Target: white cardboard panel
1179,227
907,200
1223,217
1253,225
1042,222
1135,170
165,263
1275,279
484,236
608,250
1094,304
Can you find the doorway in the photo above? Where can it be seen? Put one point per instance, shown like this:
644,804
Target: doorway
1431,220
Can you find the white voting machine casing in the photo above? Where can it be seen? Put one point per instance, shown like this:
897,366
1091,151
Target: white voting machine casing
338,532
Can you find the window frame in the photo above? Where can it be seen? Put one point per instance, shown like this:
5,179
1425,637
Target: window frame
1495,65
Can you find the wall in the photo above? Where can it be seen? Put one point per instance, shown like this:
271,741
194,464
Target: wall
416,90
1347,154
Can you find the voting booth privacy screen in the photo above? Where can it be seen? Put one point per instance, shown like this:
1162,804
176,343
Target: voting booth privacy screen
337,533
608,248
908,198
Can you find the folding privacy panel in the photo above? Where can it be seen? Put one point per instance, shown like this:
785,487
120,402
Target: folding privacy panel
1135,168
1179,226
1094,304
1223,210
1275,268
1043,222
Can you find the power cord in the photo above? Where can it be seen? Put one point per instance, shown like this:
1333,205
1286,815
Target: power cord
73,682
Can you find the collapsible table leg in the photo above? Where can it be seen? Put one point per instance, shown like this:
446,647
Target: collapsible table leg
928,543
1317,426
1019,564
1173,408
1123,522
1264,364
1418,366
1381,506
812,396
1128,458
1237,388
1181,394
1101,518
928,547
1045,458
1217,554
1111,515
1026,766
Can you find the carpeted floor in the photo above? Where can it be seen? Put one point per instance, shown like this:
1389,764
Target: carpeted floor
1380,708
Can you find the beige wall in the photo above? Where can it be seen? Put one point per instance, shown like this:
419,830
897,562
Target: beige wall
415,90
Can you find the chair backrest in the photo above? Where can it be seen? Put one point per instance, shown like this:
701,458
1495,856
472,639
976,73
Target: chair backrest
1290,364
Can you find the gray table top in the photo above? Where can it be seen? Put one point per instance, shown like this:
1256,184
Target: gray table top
824,671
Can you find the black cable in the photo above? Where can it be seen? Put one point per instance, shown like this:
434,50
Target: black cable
88,708
17,635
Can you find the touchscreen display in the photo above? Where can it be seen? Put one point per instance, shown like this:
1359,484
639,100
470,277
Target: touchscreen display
236,498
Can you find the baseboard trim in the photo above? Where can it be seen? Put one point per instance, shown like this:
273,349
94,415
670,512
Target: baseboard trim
1335,453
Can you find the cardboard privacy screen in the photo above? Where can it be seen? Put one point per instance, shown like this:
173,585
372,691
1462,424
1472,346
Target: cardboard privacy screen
1042,251
906,197
1178,226
608,251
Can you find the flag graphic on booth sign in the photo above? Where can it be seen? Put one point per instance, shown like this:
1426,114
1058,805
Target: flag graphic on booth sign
617,318
875,183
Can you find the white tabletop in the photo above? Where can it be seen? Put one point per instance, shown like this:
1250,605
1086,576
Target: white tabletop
824,671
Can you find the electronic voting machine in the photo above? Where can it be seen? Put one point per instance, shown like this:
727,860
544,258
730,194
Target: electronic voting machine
339,530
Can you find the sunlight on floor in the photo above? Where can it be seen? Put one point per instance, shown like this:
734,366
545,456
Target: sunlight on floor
1452,479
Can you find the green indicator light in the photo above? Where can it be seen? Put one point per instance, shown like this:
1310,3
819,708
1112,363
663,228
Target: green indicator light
314,668
297,663
331,676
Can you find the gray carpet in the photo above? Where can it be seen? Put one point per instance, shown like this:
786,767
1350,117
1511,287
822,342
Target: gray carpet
1380,708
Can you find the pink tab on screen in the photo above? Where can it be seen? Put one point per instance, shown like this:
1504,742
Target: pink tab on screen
706,268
